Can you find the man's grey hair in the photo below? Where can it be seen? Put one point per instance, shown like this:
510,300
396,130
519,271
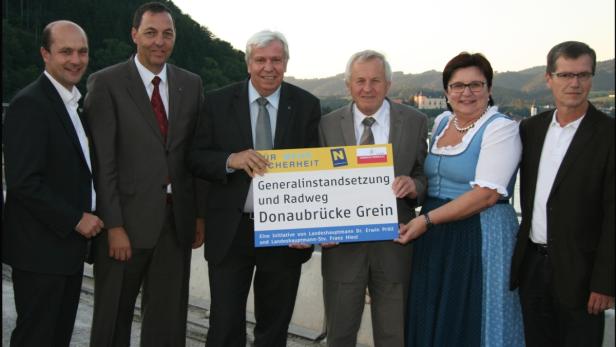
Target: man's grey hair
365,56
264,38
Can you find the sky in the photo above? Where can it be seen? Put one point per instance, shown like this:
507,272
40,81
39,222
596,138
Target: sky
415,36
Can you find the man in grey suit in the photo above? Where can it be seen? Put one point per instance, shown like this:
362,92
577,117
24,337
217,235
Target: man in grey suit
383,267
142,115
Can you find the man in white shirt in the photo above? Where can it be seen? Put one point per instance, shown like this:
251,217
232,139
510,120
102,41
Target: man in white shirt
49,216
564,259
382,266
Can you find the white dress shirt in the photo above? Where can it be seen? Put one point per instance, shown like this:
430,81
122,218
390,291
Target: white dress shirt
147,76
71,100
555,145
272,108
380,128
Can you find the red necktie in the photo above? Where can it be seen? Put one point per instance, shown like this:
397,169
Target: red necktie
159,108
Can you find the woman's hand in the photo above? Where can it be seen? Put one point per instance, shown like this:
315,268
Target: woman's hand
414,229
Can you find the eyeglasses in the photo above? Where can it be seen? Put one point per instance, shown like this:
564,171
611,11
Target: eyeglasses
569,76
475,86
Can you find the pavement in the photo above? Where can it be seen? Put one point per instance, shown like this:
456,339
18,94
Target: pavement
195,332
197,320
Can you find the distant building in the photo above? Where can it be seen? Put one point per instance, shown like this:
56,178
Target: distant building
533,110
425,102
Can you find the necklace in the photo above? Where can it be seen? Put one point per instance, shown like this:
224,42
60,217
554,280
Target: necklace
464,129
468,127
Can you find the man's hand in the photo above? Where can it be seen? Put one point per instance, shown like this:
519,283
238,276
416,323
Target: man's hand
598,303
299,245
89,225
250,161
404,187
326,245
199,233
119,244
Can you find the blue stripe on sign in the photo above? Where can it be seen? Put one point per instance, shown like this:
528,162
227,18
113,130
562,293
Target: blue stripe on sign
350,233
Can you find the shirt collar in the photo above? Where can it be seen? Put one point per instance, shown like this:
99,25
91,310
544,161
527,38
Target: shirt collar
574,125
69,97
147,76
379,115
253,95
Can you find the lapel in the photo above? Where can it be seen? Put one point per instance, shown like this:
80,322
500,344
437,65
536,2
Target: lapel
137,92
60,111
536,140
395,123
535,137
582,136
175,100
283,118
348,127
241,112
395,129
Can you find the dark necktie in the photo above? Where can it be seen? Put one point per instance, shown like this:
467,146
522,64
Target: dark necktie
159,109
366,137
263,131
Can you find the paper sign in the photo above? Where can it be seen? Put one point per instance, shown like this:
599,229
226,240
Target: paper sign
329,194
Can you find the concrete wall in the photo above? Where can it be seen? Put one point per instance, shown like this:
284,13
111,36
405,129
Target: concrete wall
308,318
309,315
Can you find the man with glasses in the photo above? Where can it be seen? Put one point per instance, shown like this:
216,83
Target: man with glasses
564,257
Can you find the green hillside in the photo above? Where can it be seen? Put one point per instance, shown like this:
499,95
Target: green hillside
108,25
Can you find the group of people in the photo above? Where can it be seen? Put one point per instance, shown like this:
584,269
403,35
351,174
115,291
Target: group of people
153,168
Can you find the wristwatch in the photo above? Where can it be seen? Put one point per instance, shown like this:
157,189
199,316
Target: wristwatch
428,220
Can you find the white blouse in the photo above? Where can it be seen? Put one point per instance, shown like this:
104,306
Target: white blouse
500,153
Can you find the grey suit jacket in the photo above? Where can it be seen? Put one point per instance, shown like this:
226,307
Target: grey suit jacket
134,162
408,136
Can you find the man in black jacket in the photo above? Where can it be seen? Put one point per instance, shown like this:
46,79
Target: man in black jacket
50,193
223,152
563,261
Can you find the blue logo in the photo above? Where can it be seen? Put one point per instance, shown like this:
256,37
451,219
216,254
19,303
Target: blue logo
339,157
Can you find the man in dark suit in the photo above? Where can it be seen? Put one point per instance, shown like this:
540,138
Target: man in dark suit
563,261
261,113
384,266
50,194
143,113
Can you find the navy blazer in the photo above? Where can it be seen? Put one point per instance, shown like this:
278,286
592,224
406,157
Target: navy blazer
224,129
48,184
